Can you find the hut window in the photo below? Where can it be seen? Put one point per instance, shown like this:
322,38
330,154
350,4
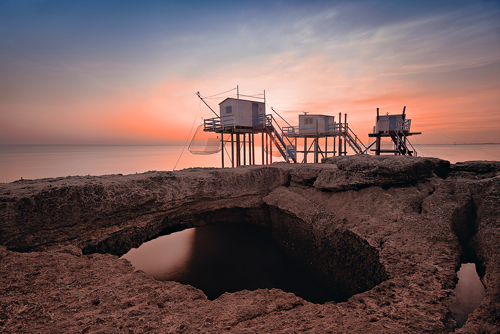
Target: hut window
229,109
308,120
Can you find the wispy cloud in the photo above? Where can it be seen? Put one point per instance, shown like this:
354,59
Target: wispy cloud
130,72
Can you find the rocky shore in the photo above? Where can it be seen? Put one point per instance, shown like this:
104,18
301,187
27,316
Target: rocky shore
387,234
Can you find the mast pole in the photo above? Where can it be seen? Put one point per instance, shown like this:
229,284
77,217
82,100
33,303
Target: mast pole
198,94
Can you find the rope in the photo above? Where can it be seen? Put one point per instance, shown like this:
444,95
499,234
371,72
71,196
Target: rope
352,129
462,142
281,117
189,136
211,96
254,96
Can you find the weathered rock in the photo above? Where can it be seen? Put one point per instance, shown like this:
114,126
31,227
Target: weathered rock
391,231
477,169
42,213
386,171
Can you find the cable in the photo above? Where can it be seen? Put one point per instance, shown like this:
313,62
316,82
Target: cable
426,152
189,136
254,96
211,96
463,143
281,117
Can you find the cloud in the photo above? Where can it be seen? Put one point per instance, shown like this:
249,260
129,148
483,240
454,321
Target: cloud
130,74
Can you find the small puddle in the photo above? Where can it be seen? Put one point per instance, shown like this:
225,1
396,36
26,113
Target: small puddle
225,258
469,293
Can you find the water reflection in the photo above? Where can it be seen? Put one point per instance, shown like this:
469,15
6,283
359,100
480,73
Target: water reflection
468,294
164,257
220,258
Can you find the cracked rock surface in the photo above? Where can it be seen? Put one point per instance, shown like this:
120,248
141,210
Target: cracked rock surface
390,232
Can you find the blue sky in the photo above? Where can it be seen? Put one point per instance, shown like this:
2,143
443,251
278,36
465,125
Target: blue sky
127,71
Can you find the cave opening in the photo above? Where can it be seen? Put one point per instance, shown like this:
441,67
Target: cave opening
469,292
221,258
249,248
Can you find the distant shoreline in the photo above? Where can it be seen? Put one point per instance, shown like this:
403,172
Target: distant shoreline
183,144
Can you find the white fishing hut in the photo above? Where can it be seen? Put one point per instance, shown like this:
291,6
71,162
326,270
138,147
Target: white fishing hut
317,127
242,113
238,122
316,124
386,123
397,128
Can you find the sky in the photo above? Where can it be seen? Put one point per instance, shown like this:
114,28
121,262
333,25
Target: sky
127,72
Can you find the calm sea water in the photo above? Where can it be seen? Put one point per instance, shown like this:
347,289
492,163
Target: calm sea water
41,161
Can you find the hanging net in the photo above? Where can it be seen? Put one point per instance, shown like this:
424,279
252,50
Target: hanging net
205,142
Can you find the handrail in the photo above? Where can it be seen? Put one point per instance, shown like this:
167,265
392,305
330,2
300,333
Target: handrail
406,125
356,140
406,147
352,143
400,141
211,123
270,121
218,122
404,144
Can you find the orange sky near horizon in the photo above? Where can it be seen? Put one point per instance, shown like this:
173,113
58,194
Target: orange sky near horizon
443,65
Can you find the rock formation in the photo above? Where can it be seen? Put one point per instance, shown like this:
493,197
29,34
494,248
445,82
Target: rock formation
386,234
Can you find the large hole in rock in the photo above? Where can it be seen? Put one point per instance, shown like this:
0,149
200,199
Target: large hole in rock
273,249
226,258
469,291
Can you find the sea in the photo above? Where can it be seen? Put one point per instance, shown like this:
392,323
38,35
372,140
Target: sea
48,161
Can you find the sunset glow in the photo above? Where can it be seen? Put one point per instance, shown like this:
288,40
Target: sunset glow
124,72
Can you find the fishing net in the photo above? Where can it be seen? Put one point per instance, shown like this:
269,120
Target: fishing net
205,143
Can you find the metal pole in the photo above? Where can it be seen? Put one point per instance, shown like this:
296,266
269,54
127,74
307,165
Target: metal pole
263,143
198,93
316,150
346,128
232,149
326,147
244,149
267,149
305,149
238,150
253,148
334,144
340,134
295,148
271,140
222,143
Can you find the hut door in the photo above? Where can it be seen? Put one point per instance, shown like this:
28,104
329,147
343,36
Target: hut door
255,114
392,123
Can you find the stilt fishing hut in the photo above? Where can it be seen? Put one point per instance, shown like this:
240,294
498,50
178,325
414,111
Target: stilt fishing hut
241,121
397,128
318,131
238,123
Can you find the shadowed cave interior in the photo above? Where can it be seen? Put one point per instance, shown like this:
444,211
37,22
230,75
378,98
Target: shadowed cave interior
263,247
243,242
